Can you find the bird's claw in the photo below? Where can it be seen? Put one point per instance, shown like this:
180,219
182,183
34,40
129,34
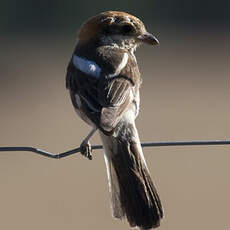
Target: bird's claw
86,150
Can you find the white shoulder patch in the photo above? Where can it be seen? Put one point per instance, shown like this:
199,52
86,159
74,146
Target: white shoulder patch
121,65
87,66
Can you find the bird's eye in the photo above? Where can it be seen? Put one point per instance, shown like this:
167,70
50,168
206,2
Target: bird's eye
127,29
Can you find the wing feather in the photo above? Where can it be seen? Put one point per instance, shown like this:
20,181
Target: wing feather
104,99
117,101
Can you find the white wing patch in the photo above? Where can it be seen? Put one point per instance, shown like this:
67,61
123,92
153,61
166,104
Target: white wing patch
121,65
93,69
87,66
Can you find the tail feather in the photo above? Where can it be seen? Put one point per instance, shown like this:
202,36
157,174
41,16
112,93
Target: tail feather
114,189
133,193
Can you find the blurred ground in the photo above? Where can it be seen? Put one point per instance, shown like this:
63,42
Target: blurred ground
185,95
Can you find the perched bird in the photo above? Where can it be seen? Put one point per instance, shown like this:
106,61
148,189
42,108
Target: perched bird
104,80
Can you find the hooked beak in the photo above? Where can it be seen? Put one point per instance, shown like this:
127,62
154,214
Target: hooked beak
148,39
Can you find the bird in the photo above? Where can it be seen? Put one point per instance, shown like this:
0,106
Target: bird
103,80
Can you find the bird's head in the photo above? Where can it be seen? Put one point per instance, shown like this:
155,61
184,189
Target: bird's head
116,29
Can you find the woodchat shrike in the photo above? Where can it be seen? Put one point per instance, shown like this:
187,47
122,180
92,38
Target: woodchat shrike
104,80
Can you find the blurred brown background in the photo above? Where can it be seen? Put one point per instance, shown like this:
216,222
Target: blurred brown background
185,95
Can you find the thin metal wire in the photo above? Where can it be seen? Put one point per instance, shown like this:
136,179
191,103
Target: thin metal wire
144,144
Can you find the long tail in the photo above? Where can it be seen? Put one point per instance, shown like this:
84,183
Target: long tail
133,194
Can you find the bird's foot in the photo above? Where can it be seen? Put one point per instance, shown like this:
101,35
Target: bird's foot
86,150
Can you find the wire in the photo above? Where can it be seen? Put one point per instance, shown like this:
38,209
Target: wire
144,144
